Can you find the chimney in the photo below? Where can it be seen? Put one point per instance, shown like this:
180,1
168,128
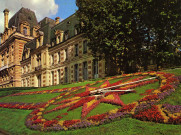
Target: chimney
6,13
57,20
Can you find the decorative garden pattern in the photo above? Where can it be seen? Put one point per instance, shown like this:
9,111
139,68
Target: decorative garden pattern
86,99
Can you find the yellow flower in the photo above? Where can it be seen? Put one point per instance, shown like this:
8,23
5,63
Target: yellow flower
43,120
144,73
156,91
133,110
152,74
113,111
39,117
65,128
61,122
51,101
90,103
40,113
109,97
41,109
67,93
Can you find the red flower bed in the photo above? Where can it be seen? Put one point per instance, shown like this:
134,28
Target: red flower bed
81,102
97,118
86,110
167,75
34,117
59,117
147,92
37,121
151,114
115,101
50,123
83,94
166,87
127,108
69,123
175,120
171,80
35,111
119,93
60,107
131,86
148,98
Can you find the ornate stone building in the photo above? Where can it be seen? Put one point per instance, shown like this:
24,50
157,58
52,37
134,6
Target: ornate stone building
45,53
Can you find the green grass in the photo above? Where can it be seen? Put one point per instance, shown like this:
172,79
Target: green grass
102,108
74,114
29,98
176,71
132,97
12,120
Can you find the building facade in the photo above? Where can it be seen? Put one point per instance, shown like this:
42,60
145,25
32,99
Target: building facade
45,53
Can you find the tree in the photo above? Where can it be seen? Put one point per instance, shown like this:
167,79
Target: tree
131,32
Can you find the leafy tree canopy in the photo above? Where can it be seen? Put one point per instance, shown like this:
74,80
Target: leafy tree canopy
131,32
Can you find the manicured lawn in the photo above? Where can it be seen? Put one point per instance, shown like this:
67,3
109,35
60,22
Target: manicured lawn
102,108
29,98
132,97
176,71
13,122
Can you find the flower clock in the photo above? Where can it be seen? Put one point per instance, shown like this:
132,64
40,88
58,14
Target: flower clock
132,95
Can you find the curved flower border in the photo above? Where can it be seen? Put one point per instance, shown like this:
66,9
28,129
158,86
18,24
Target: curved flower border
145,109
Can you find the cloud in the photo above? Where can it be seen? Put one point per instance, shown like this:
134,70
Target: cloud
42,8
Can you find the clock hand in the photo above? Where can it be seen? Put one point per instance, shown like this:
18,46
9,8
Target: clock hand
120,85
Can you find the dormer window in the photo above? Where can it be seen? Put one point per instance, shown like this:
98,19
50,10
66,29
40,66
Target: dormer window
66,35
59,36
25,28
24,31
77,29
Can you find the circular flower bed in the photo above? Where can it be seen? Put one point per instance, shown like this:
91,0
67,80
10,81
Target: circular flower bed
146,109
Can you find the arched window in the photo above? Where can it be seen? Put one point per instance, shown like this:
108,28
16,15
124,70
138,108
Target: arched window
24,31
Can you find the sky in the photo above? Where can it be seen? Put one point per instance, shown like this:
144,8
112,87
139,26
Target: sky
42,8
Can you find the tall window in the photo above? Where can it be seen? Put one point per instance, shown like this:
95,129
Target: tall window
95,68
52,74
24,30
85,74
22,70
39,59
76,50
76,73
85,46
66,35
66,75
2,60
66,54
58,57
52,59
7,60
39,81
59,76
77,29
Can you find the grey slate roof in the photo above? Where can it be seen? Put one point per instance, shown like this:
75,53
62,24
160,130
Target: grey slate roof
24,14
